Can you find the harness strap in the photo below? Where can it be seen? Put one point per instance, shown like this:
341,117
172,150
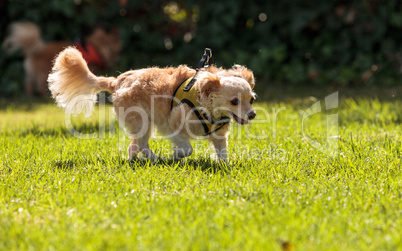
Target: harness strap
185,94
90,54
180,96
209,127
206,60
178,93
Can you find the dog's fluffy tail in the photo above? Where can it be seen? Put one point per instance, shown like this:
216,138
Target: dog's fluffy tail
23,36
73,85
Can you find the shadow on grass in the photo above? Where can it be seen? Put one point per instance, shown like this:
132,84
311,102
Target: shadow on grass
40,131
24,104
206,165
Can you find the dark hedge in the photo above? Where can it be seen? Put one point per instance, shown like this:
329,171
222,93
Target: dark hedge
287,42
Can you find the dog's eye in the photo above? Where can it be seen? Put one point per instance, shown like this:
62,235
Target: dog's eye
252,100
235,101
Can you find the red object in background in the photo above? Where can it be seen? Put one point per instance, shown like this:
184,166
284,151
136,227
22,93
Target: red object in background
91,55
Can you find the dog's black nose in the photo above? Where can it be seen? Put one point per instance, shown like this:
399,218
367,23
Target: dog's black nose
251,115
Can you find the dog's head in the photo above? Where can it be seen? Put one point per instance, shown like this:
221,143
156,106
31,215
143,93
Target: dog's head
108,43
228,94
24,36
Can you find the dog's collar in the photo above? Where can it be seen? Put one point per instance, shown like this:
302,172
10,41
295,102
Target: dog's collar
91,55
185,93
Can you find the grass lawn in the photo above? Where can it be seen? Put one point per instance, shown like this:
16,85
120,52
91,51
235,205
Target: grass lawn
62,192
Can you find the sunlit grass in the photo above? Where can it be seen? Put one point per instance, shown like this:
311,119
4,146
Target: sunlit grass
62,192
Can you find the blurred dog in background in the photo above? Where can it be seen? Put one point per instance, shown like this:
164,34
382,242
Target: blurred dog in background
100,50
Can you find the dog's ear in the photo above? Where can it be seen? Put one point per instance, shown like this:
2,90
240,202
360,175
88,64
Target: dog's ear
241,72
208,83
245,74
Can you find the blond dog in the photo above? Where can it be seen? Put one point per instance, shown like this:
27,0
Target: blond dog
101,50
158,96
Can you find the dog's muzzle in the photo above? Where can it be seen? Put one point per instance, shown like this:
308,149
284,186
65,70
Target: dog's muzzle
251,115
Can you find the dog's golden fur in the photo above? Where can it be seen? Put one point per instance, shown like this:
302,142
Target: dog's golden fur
143,97
39,55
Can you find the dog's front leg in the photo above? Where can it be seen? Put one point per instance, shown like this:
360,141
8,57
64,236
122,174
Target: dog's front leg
221,144
182,147
29,85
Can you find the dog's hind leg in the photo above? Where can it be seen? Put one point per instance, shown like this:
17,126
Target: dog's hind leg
30,78
29,85
42,86
140,145
182,147
137,125
133,150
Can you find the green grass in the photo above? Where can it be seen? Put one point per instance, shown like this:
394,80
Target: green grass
65,193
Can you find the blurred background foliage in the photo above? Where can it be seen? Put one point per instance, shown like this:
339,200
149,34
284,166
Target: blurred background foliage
287,42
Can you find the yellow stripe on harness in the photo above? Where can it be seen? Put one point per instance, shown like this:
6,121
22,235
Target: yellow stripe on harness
190,97
180,94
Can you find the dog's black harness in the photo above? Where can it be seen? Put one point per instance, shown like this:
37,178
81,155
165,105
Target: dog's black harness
186,94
